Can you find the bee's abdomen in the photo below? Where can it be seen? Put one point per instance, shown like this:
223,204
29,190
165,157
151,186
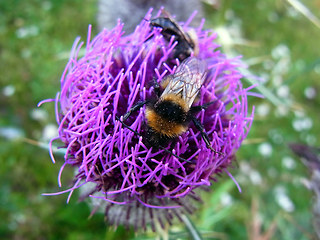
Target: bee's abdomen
167,118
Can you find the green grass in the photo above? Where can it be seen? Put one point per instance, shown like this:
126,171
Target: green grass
32,65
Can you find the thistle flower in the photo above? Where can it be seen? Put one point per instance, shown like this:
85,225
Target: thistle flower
135,182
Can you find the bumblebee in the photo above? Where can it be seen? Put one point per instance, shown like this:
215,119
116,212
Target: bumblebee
170,113
186,42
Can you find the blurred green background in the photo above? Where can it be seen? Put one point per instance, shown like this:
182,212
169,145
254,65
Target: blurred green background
280,45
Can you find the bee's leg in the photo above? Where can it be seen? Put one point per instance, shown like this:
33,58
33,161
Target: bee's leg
170,152
195,109
204,135
151,36
127,126
156,87
133,109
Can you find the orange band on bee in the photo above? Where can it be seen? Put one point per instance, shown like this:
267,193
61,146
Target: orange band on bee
176,98
162,126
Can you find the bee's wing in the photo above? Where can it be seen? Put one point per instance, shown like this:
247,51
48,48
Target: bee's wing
187,80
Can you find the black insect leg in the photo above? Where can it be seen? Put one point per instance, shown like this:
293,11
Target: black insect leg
204,135
156,87
127,126
195,109
133,109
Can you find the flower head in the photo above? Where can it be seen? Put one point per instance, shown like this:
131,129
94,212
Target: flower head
123,171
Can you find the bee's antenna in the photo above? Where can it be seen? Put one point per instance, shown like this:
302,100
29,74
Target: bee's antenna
161,147
147,20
